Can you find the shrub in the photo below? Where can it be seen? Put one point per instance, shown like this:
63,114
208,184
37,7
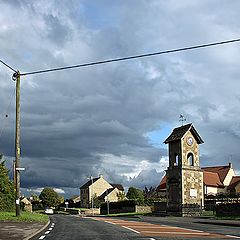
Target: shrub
7,196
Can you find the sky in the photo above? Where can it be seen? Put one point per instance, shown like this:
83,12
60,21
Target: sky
112,119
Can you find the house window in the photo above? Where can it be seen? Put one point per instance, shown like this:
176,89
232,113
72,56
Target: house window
190,159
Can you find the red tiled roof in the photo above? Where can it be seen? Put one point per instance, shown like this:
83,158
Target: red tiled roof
222,171
162,184
211,179
234,182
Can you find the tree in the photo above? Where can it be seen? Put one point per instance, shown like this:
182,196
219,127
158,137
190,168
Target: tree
49,197
121,196
96,201
135,194
7,196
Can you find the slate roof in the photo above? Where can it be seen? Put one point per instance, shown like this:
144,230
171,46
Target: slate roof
87,184
179,132
234,182
108,191
222,171
118,186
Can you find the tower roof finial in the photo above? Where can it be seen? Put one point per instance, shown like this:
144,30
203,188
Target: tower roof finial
182,119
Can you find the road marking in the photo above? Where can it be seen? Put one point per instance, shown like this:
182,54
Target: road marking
47,232
189,229
110,222
131,229
147,229
50,229
42,237
232,236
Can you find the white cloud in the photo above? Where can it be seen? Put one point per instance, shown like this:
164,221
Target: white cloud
59,190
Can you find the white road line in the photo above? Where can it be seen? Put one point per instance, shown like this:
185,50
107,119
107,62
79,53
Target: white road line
232,236
50,229
131,229
42,237
110,222
47,232
152,239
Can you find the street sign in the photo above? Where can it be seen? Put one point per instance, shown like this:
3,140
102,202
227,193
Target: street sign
20,169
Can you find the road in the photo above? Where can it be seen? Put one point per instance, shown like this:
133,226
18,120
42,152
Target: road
146,228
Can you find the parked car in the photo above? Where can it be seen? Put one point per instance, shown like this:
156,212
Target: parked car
48,211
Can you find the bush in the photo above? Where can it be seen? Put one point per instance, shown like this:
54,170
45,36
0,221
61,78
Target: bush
7,196
227,209
119,205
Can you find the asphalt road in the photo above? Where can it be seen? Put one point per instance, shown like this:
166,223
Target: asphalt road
146,228
66,227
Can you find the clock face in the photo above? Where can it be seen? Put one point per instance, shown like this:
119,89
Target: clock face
190,141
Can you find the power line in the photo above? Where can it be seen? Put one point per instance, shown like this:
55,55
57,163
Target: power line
8,66
131,57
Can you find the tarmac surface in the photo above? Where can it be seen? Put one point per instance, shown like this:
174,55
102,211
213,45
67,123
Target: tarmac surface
26,230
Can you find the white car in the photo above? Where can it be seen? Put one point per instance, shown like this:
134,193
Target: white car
48,211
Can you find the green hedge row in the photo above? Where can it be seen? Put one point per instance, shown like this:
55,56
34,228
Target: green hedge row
227,209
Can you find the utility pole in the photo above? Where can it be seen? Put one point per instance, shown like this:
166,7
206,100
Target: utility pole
16,77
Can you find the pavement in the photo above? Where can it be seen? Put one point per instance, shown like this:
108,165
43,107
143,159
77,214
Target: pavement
233,223
26,230
20,230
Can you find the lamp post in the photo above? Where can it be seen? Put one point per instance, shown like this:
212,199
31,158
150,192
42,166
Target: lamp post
107,204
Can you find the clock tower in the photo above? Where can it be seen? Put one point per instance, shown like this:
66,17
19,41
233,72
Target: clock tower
184,175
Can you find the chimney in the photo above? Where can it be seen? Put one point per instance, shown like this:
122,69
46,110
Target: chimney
230,165
101,176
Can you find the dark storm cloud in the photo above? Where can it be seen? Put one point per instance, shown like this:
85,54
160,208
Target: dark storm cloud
95,120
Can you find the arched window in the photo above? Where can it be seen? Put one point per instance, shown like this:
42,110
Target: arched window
176,160
190,159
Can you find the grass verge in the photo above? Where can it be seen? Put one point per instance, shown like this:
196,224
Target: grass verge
208,214
24,217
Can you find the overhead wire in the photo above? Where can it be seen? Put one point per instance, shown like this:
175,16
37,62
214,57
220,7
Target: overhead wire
8,66
130,57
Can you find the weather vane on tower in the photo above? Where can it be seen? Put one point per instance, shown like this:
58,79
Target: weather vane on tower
182,119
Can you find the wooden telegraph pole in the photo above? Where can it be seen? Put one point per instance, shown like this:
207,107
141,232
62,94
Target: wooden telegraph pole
16,77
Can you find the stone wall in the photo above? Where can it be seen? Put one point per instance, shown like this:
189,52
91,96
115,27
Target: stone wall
143,209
